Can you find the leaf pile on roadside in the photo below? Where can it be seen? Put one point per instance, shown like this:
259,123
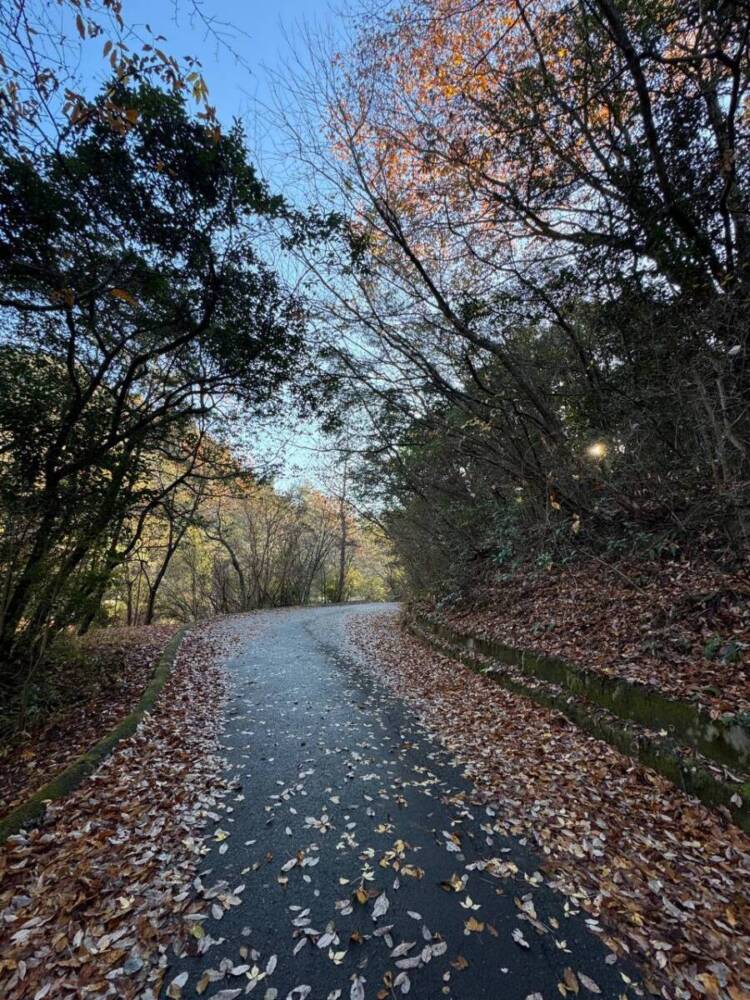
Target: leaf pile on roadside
661,877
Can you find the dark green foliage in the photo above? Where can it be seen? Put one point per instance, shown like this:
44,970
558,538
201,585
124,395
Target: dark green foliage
133,297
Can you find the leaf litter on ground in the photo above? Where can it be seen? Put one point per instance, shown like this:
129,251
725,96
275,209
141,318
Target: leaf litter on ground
681,626
93,901
99,680
662,878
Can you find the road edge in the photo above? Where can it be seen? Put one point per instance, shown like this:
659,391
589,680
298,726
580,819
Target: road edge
660,754
33,808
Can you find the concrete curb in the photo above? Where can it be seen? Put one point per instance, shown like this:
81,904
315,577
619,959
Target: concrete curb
664,755
725,740
74,774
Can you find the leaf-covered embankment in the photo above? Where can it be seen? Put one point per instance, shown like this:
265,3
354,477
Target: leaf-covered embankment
89,685
682,627
91,900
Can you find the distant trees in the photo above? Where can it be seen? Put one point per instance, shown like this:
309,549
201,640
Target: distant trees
548,211
246,546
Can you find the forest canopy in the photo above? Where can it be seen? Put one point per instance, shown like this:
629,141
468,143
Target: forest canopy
140,319
548,208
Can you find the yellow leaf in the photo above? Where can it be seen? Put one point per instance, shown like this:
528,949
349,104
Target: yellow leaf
120,293
412,871
710,984
569,977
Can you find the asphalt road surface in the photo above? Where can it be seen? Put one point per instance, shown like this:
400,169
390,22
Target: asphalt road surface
368,872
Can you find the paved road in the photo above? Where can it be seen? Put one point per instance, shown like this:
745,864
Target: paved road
342,790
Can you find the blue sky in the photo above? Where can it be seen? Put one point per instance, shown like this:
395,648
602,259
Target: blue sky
258,33
239,86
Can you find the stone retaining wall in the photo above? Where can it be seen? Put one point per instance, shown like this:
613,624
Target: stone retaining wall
629,716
